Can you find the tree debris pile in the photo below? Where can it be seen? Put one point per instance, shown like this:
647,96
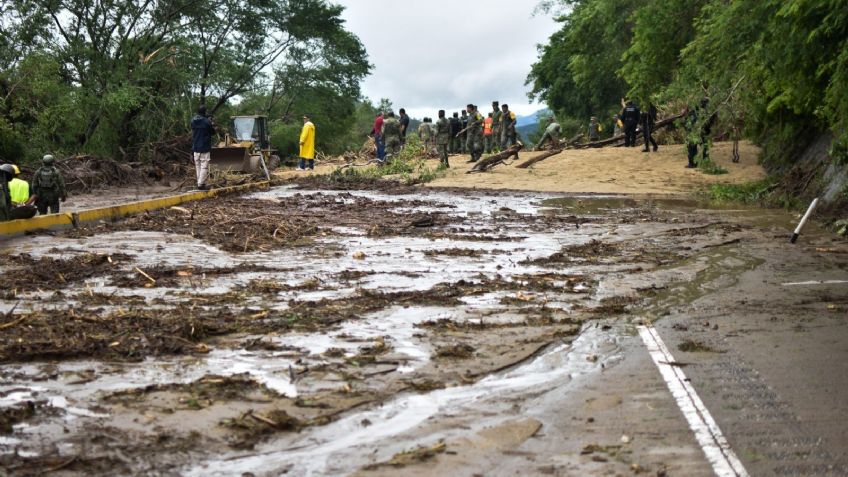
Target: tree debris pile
87,173
246,225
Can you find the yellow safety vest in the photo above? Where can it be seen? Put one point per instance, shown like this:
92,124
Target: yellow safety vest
19,190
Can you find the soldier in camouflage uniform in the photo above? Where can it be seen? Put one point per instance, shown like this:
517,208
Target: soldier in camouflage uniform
48,187
463,136
508,136
474,143
391,136
497,126
443,136
425,133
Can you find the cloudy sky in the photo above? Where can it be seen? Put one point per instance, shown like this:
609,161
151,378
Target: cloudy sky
443,54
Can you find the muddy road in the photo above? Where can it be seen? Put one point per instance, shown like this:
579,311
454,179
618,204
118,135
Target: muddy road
336,329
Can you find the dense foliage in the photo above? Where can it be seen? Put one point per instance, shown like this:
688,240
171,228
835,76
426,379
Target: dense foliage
113,76
789,57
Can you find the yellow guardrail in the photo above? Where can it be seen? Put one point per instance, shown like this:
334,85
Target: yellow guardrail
73,219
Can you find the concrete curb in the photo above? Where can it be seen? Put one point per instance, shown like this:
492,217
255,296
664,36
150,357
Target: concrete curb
73,219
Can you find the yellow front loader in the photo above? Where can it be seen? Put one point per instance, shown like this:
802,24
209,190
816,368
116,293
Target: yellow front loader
246,147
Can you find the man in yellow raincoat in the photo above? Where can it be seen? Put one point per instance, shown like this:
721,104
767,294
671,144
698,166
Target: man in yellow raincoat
307,145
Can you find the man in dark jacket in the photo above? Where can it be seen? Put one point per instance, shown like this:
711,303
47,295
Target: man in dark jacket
649,118
456,126
630,117
404,125
201,145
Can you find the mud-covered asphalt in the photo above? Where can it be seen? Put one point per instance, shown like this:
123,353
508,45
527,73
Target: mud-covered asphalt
342,328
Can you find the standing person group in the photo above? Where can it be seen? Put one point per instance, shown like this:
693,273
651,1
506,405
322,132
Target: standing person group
17,197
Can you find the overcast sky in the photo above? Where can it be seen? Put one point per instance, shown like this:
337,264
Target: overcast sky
443,54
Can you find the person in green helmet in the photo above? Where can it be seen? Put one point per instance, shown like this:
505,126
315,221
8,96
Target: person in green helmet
48,187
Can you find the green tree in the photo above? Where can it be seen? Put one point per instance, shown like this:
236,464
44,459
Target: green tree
577,72
118,74
661,29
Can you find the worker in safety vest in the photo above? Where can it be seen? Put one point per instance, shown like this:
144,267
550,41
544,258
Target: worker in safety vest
488,132
18,188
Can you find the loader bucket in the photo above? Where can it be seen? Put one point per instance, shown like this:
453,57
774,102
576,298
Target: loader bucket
232,158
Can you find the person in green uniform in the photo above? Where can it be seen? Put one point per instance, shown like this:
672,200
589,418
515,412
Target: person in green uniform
551,134
463,135
474,143
391,136
508,120
443,136
497,126
48,187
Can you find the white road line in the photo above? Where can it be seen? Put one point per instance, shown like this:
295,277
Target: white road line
815,282
709,436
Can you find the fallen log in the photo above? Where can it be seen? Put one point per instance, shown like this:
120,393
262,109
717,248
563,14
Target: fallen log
485,164
562,145
541,157
571,142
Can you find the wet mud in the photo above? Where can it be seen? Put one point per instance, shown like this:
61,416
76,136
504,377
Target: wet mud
276,327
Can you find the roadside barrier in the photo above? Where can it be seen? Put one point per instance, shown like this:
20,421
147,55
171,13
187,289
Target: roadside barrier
73,219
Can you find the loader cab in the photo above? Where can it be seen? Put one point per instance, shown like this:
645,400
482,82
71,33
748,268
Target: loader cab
245,146
250,129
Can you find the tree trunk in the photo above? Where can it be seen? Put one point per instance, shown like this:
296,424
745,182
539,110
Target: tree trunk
492,161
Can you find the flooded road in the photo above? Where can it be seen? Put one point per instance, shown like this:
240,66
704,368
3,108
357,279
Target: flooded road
328,332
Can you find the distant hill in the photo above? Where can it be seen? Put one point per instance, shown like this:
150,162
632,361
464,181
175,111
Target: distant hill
533,118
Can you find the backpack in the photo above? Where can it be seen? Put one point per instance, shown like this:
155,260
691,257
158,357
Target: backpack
48,178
